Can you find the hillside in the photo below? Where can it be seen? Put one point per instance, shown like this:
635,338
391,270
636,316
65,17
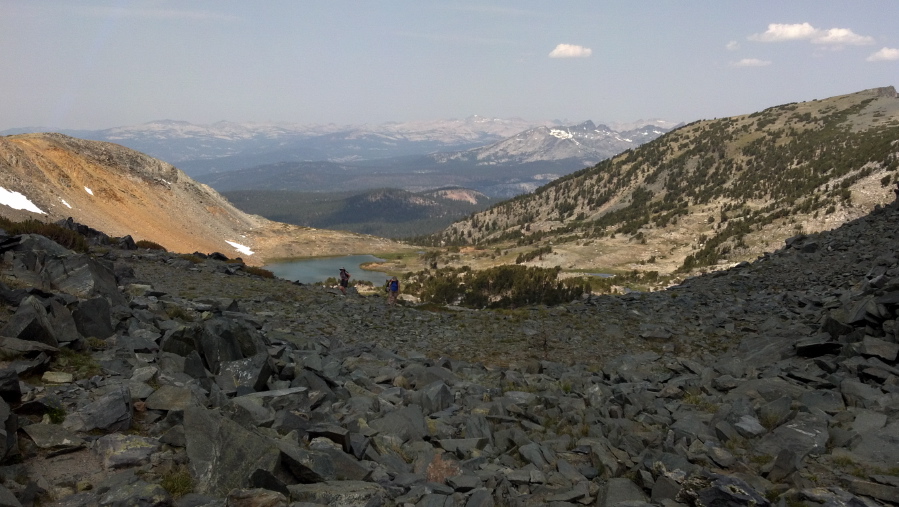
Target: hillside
389,213
708,194
124,192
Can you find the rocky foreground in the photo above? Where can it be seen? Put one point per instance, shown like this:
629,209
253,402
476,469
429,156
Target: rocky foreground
148,378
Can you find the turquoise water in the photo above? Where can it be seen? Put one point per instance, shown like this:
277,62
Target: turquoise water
318,270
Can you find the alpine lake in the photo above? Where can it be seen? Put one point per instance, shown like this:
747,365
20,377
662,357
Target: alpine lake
319,269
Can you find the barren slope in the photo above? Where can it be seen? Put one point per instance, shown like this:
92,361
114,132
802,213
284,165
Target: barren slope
123,192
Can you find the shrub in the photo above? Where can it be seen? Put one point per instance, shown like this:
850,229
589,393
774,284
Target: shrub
178,313
192,258
57,414
176,479
79,364
65,237
149,245
264,273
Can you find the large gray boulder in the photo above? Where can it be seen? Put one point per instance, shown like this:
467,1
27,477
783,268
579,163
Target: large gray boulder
879,447
406,423
93,318
223,455
805,434
9,424
222,340
83,276
31,322
110,412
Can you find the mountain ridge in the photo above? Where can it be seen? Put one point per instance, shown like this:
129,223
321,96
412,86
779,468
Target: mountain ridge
708,194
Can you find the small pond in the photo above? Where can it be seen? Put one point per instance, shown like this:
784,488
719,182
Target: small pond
319,269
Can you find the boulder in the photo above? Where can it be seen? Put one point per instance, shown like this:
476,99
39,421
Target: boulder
875,347
407,423
223,455
110,412
83,276
125,451
10,389
10,424
244,375
31,322
93,318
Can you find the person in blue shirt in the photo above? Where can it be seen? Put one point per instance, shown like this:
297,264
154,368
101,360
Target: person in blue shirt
393,288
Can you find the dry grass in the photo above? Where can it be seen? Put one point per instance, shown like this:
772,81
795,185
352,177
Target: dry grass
439,470
150,245
176,479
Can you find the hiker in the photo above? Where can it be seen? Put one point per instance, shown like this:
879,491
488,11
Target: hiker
344,280
393,288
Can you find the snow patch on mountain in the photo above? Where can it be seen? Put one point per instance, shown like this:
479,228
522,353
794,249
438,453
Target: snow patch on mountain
586,142
16,200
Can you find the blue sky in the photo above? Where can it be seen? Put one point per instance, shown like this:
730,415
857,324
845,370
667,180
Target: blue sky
97,64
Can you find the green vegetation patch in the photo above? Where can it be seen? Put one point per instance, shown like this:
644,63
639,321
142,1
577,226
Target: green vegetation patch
65,237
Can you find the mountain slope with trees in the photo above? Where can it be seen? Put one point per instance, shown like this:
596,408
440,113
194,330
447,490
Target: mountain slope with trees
389,213
708,194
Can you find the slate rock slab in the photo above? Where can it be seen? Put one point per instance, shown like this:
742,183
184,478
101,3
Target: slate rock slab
169,397
339,493
31,322
110,412
879,447
805,434
223,455
122,451
53,437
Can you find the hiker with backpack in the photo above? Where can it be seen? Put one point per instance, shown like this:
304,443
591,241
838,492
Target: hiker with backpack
393,288
344,280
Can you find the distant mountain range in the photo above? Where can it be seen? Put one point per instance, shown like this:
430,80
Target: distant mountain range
514,165
498,158
224,146
228,146
587,143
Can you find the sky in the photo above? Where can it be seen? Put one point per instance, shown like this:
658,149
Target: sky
94,64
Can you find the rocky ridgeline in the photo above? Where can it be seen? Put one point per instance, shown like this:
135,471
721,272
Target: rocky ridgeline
773,381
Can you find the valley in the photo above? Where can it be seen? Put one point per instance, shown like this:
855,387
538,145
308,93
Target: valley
765,372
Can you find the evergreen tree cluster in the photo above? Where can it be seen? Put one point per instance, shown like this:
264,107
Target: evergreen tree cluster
506,286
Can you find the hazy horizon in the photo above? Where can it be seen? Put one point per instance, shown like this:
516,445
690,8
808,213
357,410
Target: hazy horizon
100,64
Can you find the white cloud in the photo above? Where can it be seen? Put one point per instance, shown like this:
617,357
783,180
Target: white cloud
733,45
884,55
16,200
779,32
570,51
841,36
751,62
